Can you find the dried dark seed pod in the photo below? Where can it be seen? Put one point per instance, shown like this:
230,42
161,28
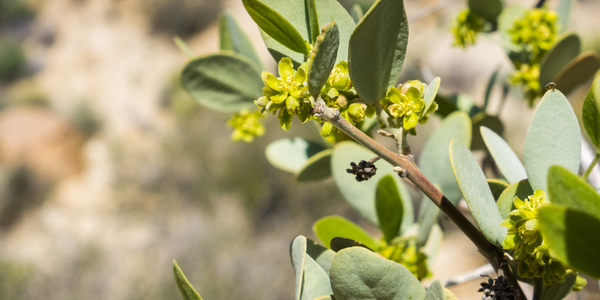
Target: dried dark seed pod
498,289
363,171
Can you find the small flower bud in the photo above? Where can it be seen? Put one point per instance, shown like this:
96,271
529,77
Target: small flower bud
356,112
326,129
342,101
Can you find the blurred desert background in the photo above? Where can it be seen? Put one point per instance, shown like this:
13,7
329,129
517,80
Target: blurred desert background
109,171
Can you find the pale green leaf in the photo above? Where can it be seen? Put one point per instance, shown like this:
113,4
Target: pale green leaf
322,255
298,257
508,162
185,287
390,208
223,82
558,57
564,12
570,190
553,138
505,203
317,167
476,192
323,57
434,161
591,113
233,38
436,291
358,274
292,155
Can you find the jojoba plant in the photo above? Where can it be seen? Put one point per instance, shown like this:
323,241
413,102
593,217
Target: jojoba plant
536,222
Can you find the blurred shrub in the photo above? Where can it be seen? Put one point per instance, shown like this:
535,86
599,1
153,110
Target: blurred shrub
15,10
12,59
183,18
21,190
13,280
86,119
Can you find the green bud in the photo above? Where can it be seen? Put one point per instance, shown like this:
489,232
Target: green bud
326,129
357,111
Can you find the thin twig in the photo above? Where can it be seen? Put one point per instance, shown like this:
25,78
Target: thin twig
540,4
468,276
492,253
538,287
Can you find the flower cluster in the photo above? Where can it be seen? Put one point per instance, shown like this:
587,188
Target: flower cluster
246,126
466,27
406,104
410,256
339,93
528,76
287,94
535,31
534,34
535,258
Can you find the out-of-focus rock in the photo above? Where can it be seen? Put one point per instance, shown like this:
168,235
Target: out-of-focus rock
42,140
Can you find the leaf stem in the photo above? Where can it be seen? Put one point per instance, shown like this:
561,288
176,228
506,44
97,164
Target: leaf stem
591,166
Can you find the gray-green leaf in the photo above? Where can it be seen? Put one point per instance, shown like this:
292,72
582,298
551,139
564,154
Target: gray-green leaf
568,189
335,226
233,38
223,82
357,274
317,167
553,138
390,208
591,113
578,71
506,159
377,49
505,203
434,161
323,57
558,57
291,155
476,192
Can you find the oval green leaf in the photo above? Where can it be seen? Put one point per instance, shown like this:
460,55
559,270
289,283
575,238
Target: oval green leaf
223,82
505,203
558,57
335,226
185,287
276,26
570,190
559,290
434,161
481,120
490,86
322,58
591,113
233,38
357,273
292,155
378,48
434,244
508,162
553,138
564,12
313,20
506,21
390,208
573,236
428,213
361,195
317,167
476,192
488,9
578,71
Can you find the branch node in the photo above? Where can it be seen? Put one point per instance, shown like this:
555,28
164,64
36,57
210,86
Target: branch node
401,172
386,134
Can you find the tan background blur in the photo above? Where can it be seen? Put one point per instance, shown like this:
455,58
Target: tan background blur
108,171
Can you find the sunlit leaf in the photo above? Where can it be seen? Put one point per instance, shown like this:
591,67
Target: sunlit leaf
323,57
298,257
553,138
591,113
505,203
335,226
377,49
357,273
476,192
292,155
570,190
506,159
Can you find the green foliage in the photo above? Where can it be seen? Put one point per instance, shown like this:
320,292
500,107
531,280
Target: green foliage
233,38
357,13
377,49
209,81
322,57
434,161
317,167
185,288
506,159
334,226
389,206
311,280
553,138
361,195
591,113
481,120
520,189
291,155
12,59
476,192
577,71
497,187
555,59
357,273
